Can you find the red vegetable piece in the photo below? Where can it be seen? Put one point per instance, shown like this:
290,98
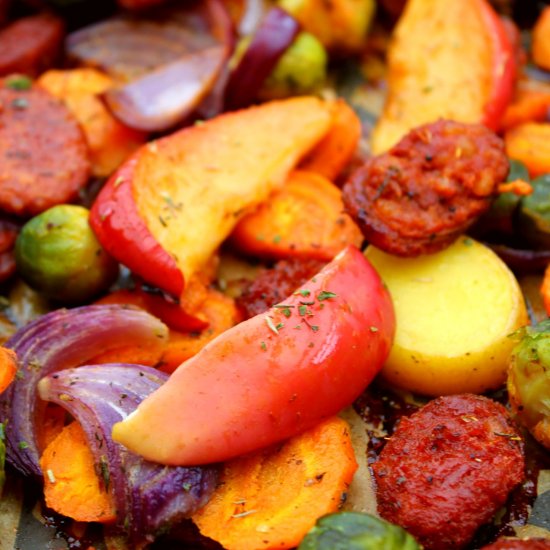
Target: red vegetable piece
275,34
31,44
272,376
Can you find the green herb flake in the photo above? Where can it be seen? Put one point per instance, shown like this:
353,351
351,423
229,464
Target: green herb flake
279,326
314,328
305,293
186,486
302,310
19,82
325,295
467,241
277,239
23,445
263,345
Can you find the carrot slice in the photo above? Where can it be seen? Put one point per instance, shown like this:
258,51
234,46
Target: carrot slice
272,498
331,155
304,219
8,367
530,144
529,105
110,141
541,40
221,313
71,485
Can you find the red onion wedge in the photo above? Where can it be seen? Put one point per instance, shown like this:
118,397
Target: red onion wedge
58,340
148,496
274,35
165,66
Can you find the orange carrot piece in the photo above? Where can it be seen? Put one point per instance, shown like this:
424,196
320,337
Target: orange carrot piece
545,289
528,106
331,155
221,313
272,498
530,144
52,426
303,219
71,485
110,141
541,40
8,367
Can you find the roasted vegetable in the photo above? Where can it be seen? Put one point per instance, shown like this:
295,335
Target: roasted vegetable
58,254
533,222
300,70
529,379
355,531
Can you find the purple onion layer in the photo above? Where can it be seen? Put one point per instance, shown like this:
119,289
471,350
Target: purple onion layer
148,496
58,340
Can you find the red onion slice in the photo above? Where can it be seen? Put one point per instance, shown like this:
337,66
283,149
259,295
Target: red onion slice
148,496
59,340
275,34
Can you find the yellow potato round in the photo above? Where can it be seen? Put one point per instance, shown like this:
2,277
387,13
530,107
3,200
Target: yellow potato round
454,310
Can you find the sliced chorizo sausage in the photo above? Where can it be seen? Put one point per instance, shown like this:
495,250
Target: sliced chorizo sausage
31,44
274,284
428,189
43,151
448,468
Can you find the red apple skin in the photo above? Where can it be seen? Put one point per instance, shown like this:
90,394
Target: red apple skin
272,376
504,67
120,229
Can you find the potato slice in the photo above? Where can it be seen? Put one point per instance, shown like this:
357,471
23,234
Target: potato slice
454,310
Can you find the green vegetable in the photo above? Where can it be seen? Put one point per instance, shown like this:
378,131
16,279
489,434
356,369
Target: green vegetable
58,254
355,531
501,216
301,69
534,214
529,379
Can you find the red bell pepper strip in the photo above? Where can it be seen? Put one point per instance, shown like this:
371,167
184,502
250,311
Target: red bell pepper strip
272,376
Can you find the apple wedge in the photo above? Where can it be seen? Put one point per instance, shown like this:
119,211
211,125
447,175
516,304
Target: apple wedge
446,60
167,209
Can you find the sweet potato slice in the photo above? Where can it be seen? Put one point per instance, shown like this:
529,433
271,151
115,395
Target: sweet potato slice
8,367
110,141
304,219
168,209
71,485
272,498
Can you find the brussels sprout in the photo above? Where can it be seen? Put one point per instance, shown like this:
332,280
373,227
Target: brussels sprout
355,531
534,214
58,254
500,217
301,69
529,379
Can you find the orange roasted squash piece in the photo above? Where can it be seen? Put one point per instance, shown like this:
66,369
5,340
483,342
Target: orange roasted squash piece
271,498
304,219
71,485
110,141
